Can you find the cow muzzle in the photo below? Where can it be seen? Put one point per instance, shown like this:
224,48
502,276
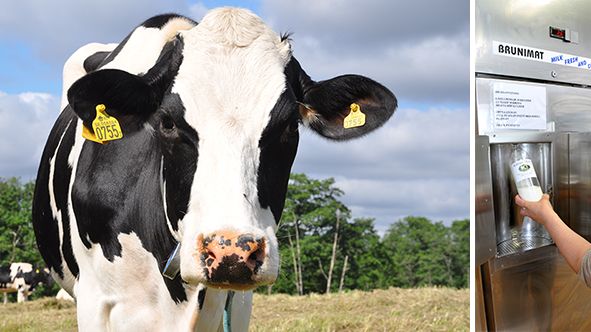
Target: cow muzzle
230,259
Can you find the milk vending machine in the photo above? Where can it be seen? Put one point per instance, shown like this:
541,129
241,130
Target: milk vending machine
533,93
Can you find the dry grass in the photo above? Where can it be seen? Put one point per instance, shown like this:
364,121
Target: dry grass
424,309
46,314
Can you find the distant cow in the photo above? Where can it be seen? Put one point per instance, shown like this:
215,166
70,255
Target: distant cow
22,278
6,282
190,131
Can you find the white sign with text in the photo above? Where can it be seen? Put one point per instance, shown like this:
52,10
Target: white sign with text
519,106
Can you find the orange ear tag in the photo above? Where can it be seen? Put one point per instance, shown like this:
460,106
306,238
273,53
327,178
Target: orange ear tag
355,119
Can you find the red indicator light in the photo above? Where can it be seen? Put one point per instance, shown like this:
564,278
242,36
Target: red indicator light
557,33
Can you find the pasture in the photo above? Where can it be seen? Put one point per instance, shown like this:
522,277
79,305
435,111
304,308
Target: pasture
395,309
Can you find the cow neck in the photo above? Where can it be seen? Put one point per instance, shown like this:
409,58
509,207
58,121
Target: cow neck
172,269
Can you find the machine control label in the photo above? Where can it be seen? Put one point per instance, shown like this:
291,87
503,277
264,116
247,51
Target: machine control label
541,55
519,106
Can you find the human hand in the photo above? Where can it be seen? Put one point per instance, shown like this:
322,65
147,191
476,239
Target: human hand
540,211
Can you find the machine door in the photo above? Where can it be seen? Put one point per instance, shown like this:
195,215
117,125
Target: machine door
580,183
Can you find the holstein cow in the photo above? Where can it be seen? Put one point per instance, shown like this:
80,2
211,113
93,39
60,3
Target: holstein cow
6,283
207,118
22,278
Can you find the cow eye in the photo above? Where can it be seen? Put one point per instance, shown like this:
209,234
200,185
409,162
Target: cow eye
167,123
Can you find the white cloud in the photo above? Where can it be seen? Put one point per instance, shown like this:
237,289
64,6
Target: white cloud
422,55
412,144
369,23
25,122
417,164
388,201
433,70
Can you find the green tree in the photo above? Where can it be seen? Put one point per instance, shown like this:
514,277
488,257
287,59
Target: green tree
460,235
308,223
367,258
17,238
424,253
414,252
417,249
309,218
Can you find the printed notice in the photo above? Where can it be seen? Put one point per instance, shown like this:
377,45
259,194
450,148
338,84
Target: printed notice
519,106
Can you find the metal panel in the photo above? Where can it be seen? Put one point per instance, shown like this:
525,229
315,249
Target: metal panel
526,23
485,219
480,317
580,180
568,108
540,295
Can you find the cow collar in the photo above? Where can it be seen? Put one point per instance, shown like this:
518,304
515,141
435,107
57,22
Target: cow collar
172,269
228,312
173,264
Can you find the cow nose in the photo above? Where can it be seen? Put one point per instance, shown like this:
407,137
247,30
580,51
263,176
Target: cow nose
231,258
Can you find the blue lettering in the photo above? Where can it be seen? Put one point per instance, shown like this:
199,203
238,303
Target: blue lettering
571,60
557,58
582,63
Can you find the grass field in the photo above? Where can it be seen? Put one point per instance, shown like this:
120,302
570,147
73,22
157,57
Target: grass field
423,309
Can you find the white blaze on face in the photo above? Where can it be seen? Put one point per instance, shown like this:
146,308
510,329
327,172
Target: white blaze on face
230,79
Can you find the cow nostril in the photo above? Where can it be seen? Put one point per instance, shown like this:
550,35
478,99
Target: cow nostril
255,255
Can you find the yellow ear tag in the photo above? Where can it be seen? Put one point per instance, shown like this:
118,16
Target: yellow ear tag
89,135
106,128
355,119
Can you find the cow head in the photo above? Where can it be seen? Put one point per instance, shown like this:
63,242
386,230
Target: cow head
224,102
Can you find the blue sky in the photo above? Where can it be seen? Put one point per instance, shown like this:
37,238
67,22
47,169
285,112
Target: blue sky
418,164
22,70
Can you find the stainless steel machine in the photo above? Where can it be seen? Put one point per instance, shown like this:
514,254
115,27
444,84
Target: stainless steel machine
533,89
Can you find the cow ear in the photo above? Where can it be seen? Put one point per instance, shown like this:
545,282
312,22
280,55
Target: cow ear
131,99
326,104
127,97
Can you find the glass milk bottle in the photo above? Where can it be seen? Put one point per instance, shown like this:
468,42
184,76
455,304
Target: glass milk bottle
524,175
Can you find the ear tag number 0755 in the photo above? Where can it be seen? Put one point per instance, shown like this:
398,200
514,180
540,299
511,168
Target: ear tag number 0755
356,118
106,128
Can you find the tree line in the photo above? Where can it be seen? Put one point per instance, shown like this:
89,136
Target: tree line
323,249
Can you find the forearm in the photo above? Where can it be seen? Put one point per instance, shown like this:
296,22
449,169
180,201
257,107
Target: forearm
570,244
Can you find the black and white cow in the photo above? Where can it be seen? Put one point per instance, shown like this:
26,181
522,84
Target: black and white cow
210,115
22,278
6,282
